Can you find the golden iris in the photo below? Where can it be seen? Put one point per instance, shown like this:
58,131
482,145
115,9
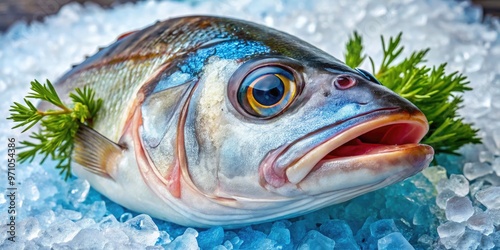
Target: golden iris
267,91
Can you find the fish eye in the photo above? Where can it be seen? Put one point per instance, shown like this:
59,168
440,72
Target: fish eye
267,91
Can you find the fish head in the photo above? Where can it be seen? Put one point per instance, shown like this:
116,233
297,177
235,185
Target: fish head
267,126
293,129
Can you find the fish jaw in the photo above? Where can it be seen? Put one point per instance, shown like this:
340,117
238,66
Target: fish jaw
367,172
384,149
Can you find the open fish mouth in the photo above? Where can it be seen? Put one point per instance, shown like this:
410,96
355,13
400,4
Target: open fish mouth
383,136
385,147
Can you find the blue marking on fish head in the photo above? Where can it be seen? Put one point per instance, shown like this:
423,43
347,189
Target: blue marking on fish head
233,49
190,67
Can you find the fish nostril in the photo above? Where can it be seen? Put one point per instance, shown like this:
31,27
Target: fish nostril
344,82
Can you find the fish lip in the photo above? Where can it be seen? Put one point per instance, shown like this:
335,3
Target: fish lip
368,172
276,176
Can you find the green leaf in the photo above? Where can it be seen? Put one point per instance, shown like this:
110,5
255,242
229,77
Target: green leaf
55,137
45,92
354,52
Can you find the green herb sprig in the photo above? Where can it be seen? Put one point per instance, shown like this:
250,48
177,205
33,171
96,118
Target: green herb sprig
435,93
57,127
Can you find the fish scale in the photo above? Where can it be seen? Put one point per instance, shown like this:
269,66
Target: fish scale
117,85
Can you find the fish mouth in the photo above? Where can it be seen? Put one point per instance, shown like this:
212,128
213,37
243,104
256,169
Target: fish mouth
386,146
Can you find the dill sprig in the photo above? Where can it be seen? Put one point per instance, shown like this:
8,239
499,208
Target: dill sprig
435,93
354,51
57,127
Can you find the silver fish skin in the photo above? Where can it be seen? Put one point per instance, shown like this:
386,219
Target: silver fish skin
211,121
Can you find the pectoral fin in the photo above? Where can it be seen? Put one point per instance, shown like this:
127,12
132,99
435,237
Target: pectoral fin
95,152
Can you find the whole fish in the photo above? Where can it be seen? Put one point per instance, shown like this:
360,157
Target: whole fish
216,121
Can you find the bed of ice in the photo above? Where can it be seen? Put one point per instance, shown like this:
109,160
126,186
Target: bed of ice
452,206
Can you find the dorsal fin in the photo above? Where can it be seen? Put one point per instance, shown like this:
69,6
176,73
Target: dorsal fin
95,152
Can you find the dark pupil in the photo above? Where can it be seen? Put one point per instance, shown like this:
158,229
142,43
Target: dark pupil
269,90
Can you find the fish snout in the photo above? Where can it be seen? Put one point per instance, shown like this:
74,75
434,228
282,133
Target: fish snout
381,149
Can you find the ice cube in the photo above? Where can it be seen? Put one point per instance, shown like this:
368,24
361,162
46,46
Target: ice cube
450,228
87,238
476,186
185,241
486,243
490,144
486,156
469,240
71,214
443,197
29,228
30,190
85,222
108,222
489,197
280,233
142,229
97,210
315,240
164,239
116,234
494,215
492,179
457,183
61,231
211,237
340,232
450,242
46,217
481,222
394,241
434,174
381,228
235,241
78,191
474,170
298,230
459,209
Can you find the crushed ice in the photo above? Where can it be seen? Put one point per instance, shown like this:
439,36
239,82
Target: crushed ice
456,206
